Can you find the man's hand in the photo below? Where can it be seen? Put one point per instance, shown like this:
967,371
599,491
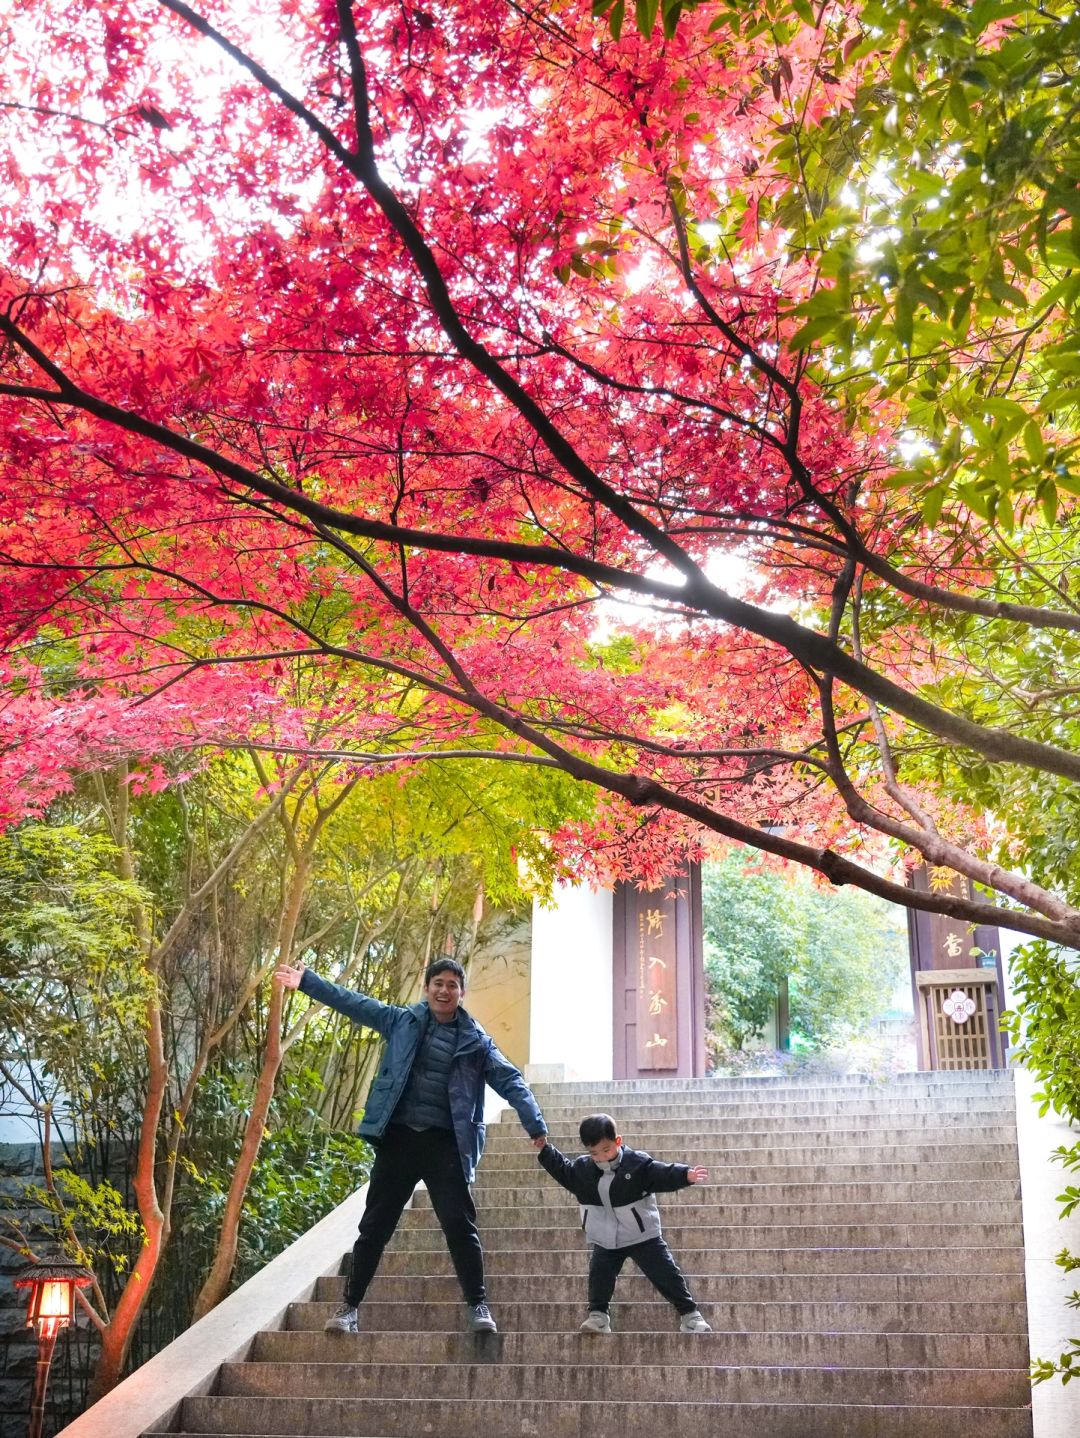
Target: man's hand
540,1142
288,976
698,1175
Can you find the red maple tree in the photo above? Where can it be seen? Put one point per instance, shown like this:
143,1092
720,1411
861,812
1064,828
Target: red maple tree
409,340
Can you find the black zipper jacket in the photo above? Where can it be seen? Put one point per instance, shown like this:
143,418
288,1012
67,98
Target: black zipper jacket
617,1203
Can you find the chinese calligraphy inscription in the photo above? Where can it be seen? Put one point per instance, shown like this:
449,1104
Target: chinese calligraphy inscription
657,1032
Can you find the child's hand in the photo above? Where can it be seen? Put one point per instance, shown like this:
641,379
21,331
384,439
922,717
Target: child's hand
698,1175
288,976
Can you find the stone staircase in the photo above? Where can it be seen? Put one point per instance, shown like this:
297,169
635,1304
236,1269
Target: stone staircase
858,1252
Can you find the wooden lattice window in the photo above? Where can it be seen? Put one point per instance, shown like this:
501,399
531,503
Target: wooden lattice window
959,1013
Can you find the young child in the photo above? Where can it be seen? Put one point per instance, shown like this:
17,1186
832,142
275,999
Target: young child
615,1186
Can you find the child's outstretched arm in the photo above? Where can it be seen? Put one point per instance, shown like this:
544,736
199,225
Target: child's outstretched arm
669,1177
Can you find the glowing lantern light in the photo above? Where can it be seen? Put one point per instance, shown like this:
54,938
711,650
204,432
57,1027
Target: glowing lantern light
51,1307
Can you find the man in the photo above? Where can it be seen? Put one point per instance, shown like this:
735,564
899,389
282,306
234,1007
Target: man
425,1119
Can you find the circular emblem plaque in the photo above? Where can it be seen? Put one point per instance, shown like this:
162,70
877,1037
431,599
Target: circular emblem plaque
958,1007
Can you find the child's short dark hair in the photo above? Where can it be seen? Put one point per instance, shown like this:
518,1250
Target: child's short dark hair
444,966
596,1128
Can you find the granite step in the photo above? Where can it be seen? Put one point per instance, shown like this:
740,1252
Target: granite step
216,1417
735,1260
545,1193
531,1286
735,1237
778,1134
562,1116
858,1252
998,1080
793,1096
683,1208
622,1349
642,1382
967,1162
653,1315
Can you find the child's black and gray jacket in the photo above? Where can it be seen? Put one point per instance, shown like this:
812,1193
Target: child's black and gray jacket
618,1208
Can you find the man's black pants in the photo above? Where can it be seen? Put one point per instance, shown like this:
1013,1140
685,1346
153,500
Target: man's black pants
655,1260
403,1159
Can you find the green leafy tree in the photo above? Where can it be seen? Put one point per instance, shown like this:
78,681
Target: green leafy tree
930,177
138,931
842,954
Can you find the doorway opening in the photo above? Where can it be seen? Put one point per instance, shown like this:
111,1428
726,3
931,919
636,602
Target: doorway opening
797,976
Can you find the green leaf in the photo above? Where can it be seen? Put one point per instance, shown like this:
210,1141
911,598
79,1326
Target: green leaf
1034,444
813,330
932,504
1059,399
905,317
670,20
958,104
646,12
1004,408
1008,294
1048,500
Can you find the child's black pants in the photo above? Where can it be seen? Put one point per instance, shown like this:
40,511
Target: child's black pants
655,1260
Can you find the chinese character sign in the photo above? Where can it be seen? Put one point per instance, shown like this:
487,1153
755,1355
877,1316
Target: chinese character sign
657,1028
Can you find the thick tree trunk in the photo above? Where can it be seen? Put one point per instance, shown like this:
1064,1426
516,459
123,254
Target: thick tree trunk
217,1281
116,1335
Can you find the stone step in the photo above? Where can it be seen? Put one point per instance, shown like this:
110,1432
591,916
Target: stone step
807,1165
858,1253
845,1350
721,1194
707,1287
493,1215
465,1418
673,1118
683,1236
735,1259
822,1078
784,1085
959,1110
645,1382
903,1099
652,1315
776,1135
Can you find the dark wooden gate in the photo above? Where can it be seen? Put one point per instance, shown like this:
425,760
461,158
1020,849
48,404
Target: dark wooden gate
658,980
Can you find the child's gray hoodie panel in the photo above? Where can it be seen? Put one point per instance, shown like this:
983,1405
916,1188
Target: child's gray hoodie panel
619,1225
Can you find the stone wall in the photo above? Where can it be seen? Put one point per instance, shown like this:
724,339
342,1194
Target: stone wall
20,1166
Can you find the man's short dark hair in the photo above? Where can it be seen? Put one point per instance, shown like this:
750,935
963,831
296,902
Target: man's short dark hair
443,966
596,1128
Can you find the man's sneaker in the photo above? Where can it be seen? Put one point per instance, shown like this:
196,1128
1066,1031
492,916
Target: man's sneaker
596,1322
693,1323
480,1319
342,1320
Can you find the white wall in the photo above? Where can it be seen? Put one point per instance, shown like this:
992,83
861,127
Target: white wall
19,1123
571,1019
1051,1322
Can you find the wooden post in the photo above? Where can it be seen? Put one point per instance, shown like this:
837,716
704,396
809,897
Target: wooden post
46,1344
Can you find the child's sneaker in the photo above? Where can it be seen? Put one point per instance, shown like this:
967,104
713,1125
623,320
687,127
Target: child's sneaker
480,1319
693,1323
342,1320
596,1323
